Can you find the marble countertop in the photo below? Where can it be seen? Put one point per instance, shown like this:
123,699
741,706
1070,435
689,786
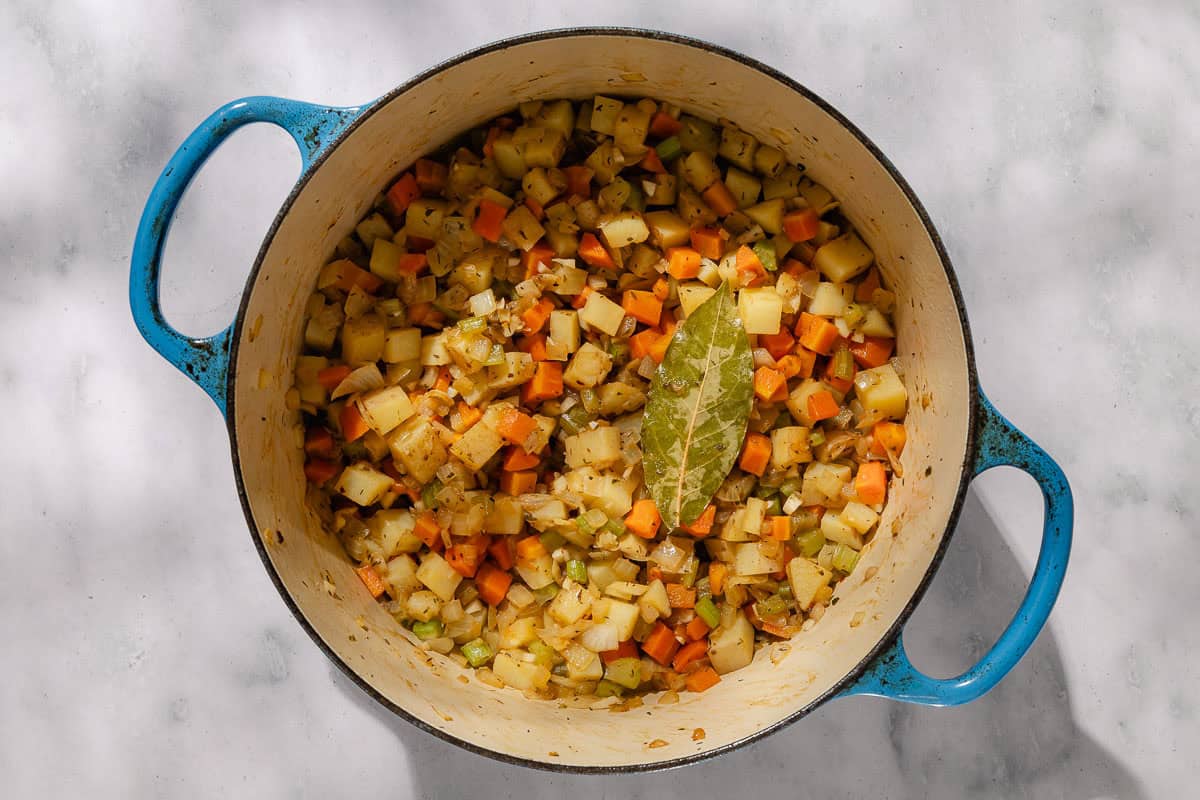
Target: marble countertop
147,654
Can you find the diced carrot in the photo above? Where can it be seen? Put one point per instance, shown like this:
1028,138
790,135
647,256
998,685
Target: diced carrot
516,483
871,483
888,436
660,644
680,596
697,629
530,548
716,576
371,580
692,651
781,528
466,557
843,385
425,315
777,344
536,317
488,219
658,350
591,251
872,351
626,649
444,378
579,180
702,526
540,253
642,306
431,175
644,519
822,405
652,163
419,244
535,208
318,441
492,584
702,680
580,300
354,427
330,377
489,145
756,452
403,192
816,333
546,383
867,286
413,263
795,267
801,225
516,459
683,263
501,550
320,470
515,426
720,199
799,364
467,415
709,242
426,529
663,125
661,290
748,263
770,385
641,343
534,345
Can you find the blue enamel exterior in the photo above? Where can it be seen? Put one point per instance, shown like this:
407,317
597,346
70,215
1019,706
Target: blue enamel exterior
893,676
206,359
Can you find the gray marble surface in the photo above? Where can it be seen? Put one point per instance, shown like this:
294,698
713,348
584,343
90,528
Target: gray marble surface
146,654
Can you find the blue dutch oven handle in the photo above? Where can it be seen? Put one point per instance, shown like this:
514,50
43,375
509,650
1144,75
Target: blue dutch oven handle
893,676
206,359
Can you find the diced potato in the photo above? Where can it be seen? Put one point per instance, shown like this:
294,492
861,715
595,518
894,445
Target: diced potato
517,368
797,401
605,111
434,352
663,192
424,218
601,314
693,295
837,530
438,576
753,515
844,258
570,604
881,393
522,227
700,171
829,300
769,161
623,229
507,517
385,259
557,116
789,445
540,437
477,446
518,633
630,129
589,366
384,409
609,493
322,327
422,605
768,214
417,446
402,344
859,516
744,187
807,579
543,186
522,675
876,324
760,310
372,228
541,147
731,648
817,196
363,339
623,616
738,147
401,576
476,272
583,664
567,280
749,558
620,398
537,573
310,389
598,447
509,158
785,184
697,135
654,603
822,485
735,530
564,329
362,483
393,529
667,229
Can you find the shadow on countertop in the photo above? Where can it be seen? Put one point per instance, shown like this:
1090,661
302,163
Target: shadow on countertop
1019,741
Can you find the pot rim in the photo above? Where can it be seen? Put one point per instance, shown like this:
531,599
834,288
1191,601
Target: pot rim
964,469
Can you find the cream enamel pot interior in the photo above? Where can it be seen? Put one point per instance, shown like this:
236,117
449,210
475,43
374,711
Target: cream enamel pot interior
349,154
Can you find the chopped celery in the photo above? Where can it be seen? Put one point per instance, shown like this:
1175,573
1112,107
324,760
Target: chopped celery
762,491
552,540
816,437
477,652
707,610
472,324
843,364
669,148
545,594
543,653
575,419
577,571
584,526
790,487
430,492
765,250
619,352
774,507
626,672
773,606
615,526
845,558
785,591
428,630
805,519
810,543
590,401
609,689
636,199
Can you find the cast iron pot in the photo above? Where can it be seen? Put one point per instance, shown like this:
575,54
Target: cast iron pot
349,154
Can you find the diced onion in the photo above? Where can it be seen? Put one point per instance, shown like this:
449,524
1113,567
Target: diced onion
600,637
363,379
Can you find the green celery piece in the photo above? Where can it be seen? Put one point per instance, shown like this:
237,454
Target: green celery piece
615,526
845,559
843,364
428,630
809,543
429,493
816,437
472,324
773,606
477,652
625,672
765,251
545,655
707,610
669,148
606,688
774,507
577,571
552,540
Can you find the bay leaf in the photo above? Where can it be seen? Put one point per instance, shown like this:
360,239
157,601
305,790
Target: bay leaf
697,410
